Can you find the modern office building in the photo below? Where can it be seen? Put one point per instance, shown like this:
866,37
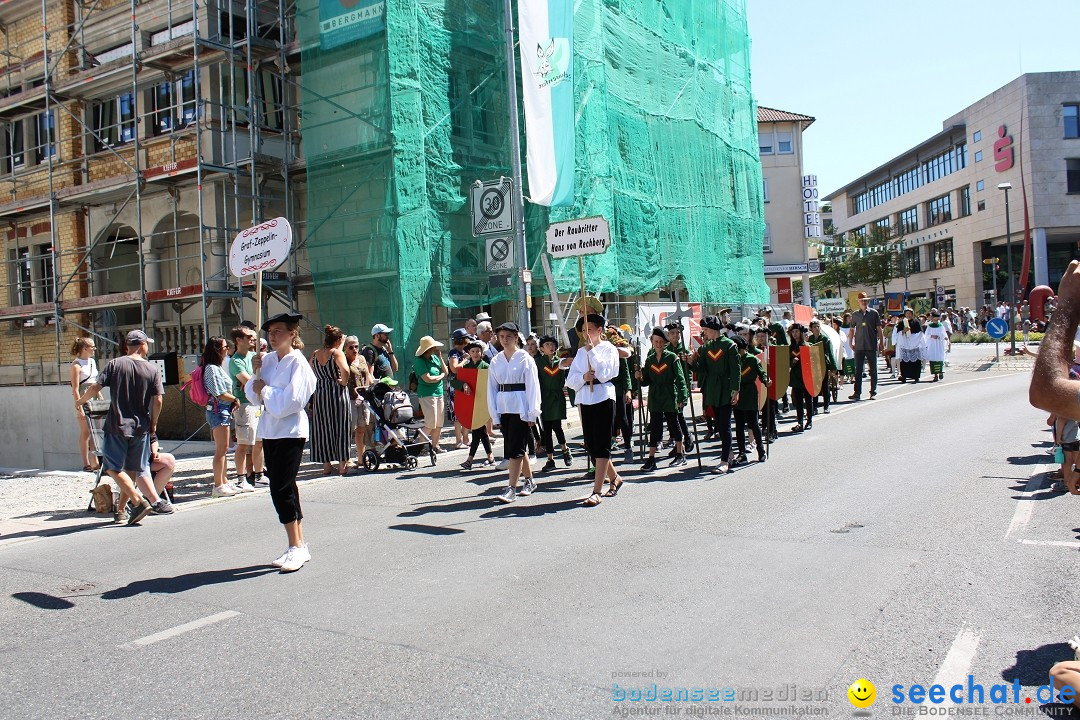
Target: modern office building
945,198
788,230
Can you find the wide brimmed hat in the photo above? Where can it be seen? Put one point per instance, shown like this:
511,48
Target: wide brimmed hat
289,318
460,334
712,323
427,343
544,339
482,317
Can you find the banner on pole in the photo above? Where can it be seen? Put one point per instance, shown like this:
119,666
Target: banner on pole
546,40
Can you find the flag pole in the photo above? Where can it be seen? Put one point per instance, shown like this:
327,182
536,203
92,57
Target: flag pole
515,166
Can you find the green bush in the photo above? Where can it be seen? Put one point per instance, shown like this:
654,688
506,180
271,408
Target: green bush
981,337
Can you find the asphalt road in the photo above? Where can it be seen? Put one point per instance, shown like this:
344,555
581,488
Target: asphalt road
905,540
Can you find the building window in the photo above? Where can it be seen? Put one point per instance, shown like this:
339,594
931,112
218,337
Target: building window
938,210
766,240
44,262
965,201
44,136
981,205
937,167
114,122
765,143
174,103
1072,175
978,156
765,189
911,262
14,148
941,255
271,107
882,227
979,185
976,137
783,143
1071,115
22,292
909,220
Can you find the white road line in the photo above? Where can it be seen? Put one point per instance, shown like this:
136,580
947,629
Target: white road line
1024,508
1052,543
954,668
186,627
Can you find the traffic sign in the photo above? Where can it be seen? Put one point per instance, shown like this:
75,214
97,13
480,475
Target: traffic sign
499,254
492,205
997,328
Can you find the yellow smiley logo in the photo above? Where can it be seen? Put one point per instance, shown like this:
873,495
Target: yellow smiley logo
862,693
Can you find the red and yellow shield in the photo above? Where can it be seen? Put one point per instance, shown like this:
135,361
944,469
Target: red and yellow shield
471,409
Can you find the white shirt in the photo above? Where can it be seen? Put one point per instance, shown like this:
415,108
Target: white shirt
290,383
604,359
520,369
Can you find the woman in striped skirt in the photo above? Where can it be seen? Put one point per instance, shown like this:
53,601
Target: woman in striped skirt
331,413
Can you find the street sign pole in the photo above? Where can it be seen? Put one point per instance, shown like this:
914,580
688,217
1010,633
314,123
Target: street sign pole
515,166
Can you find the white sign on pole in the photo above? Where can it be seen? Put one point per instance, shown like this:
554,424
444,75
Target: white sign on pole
259,248
587,236
830,305
499,255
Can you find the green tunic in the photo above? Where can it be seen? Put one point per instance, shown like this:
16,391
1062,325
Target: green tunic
795,379
778,335
717,366
665,380
748,394
830,359
552,382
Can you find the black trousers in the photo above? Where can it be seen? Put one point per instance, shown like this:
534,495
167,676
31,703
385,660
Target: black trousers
479,435
656,427
863,357
743,419
804,403
282,458
596,424
825,394
622,418
768,417
722,418
553,426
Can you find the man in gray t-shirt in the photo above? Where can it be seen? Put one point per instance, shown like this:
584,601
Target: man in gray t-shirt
866,340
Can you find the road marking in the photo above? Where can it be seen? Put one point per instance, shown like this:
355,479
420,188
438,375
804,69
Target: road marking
1052,543
954,668
929,386
1024,508
186,627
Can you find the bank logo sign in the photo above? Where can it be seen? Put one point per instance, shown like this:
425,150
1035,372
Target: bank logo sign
342,21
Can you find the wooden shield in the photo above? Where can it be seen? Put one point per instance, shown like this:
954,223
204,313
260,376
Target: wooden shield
471,409
812,360
779,370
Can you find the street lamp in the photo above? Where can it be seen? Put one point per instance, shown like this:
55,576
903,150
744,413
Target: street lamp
1008,269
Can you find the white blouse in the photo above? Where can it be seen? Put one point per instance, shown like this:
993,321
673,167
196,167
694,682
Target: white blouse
604,359
290,383
520,369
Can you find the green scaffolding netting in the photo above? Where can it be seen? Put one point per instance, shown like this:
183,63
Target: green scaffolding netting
404,109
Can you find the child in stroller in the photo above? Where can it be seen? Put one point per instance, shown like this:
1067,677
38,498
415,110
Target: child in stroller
403,438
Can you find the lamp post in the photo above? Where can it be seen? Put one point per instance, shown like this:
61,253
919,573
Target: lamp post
1008,269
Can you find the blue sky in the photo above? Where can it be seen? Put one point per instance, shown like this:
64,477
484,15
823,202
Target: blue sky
882,76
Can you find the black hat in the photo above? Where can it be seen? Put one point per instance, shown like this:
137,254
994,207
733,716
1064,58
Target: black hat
248,324
657,332
740,342
460,334
474,343
593,319
289,318
547,339
673,326
796,326
511,326
712,323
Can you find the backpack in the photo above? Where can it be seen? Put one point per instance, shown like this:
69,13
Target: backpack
196,388
396,407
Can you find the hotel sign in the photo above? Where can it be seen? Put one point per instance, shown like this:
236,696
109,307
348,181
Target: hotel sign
811,211
814,266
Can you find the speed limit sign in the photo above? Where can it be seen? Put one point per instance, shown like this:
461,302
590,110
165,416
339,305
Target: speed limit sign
492,206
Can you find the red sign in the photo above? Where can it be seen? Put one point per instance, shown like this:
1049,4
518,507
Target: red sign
1003,150
783,290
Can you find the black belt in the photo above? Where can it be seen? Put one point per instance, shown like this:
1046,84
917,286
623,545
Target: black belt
512,387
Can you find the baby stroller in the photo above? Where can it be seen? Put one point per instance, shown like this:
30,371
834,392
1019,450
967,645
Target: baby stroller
403,438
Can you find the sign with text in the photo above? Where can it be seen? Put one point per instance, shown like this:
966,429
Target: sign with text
811,210
492,205
262,247
830,305
587,236
342,21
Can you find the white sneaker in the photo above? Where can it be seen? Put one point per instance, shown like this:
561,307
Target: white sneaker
502,465
281,558
244,486
528,488
225,490
295,557
262,480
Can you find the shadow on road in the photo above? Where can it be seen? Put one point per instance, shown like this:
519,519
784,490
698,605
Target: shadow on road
1032,667
427,529
189,581
1027,459
520,511
43,601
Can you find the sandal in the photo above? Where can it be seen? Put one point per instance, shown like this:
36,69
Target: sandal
592,501
1055,474
613,488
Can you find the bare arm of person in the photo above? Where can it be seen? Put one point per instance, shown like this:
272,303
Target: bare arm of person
1051,389
342,366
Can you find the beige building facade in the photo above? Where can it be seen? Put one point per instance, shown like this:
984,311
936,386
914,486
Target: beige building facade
942,198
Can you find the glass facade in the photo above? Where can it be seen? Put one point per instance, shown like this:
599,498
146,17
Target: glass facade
937,167
941,255
938,210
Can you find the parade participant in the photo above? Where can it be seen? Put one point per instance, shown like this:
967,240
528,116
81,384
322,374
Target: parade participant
907,336
475,359
771,409
937,344
595,365
800,394
675,345
82,375
283,383
817,338
746,409
716,362
843,329
662,373
778,336
514,399
551,371
866,342
454,358
623,394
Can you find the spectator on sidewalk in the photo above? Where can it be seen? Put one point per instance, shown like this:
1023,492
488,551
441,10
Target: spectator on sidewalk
219,410
430,372
83,374
135,392
360,379
249,453
153,482
379,355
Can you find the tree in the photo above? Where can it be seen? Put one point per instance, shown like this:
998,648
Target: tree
878,262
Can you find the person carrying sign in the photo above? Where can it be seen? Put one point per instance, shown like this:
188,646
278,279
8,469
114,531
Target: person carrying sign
663,375
717,362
